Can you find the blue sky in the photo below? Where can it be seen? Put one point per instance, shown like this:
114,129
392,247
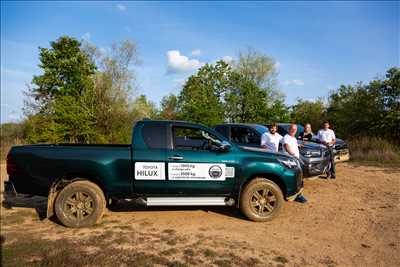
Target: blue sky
317,45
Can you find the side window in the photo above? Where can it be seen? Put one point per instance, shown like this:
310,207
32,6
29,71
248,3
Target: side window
187,138
155,136
244,135
224,130
282,131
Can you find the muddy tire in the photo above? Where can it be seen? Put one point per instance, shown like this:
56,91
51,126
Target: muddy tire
261,200
80,204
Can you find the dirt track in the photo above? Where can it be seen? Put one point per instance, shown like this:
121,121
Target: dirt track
351,221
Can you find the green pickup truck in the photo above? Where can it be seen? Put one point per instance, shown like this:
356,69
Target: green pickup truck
169,163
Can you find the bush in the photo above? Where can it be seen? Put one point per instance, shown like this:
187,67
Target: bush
374,149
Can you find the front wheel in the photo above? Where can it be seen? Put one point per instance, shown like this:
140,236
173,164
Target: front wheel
80,204
261,200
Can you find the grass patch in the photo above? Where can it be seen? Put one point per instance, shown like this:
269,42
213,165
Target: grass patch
18,217
38,252
373,149
210,253
281,259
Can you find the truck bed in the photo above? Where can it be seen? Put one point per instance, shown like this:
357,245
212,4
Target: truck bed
38,166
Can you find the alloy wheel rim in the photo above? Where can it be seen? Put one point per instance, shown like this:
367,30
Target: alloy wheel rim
79,206
263,201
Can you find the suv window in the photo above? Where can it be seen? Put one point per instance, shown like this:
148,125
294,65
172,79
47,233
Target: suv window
245,135
224,130
154,136
188,138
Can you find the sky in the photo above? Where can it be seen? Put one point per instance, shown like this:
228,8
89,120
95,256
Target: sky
317,46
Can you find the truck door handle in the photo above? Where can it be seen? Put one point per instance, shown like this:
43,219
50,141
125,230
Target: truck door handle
175,158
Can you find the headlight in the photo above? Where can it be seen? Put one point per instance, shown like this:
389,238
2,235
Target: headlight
311,153
288,162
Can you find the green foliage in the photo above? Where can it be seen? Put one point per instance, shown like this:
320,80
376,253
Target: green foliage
372,109
306,111
218,93
84,94
66,70
257,67
201,97
169,109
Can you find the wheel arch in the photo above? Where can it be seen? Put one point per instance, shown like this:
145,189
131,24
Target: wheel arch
65,180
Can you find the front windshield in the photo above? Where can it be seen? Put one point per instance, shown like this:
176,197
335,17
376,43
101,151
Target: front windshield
261,129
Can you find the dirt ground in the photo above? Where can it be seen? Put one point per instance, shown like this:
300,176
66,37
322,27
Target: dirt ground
351,221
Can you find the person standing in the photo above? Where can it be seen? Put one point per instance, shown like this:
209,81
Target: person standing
291,147
290,144
327,137
270,140
307,135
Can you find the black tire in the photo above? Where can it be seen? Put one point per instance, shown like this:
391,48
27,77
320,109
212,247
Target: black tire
261,200
80,204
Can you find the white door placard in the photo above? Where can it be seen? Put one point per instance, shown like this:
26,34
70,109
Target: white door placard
149,170
196,171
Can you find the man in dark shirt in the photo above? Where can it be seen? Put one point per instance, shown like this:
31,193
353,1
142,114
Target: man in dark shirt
307,134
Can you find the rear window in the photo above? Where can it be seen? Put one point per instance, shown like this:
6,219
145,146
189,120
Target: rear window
155,136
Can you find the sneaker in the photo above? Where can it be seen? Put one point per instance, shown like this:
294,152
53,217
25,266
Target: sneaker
333,176
301,199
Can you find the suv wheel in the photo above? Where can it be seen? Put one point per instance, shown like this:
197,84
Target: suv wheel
261,200
80,204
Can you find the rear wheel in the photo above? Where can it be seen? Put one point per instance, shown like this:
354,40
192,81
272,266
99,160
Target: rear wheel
80,204
261,200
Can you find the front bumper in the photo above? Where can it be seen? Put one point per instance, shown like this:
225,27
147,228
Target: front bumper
342,155
314,166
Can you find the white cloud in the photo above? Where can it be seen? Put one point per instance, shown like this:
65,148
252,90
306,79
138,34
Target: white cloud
121,7
278,65
180,81
178,63
294,82
86,36
196,52
227,59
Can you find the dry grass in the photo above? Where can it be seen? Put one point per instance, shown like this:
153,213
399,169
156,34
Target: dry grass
373,149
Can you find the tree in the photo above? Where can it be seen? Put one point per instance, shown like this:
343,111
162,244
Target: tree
257,67
143,108
66,69
57,110
169,107
113,91
260,69
372,109
307,111
217,93
75,100
201,97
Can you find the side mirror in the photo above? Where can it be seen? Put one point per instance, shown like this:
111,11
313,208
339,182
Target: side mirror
225,146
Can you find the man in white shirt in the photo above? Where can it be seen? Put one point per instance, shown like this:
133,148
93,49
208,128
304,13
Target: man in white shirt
291,147
327,137
271,140
290,144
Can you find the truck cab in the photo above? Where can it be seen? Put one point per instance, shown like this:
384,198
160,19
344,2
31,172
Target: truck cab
168,163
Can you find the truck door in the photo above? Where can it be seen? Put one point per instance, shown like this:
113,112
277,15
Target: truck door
149,158
195,167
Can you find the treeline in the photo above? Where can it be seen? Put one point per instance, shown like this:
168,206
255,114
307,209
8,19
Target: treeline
86,95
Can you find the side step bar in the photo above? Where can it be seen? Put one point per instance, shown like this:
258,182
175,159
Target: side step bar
189,201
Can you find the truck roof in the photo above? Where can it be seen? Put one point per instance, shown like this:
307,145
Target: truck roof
187,123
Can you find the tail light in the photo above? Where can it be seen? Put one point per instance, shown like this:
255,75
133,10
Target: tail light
11,165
